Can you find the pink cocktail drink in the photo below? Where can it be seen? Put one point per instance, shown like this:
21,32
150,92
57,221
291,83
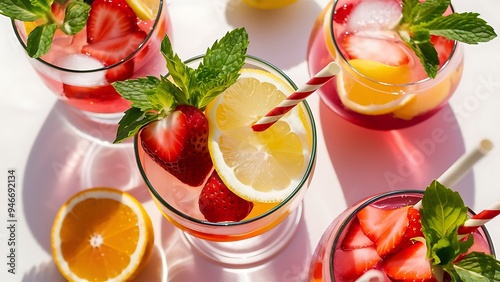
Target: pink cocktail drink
116,44
383,85
350,246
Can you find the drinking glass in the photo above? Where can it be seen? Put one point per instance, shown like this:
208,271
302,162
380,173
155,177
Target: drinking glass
410,103
234,243
83,85
322,266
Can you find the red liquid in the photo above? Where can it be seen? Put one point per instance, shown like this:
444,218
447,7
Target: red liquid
81,89
326,251
434,93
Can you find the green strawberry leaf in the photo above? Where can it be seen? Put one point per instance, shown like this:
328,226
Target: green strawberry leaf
156,98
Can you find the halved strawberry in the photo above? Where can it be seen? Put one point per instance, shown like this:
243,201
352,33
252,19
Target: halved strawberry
443,46
384,227
178,143
342,13
350,264
217,203
375,49
98,93
112,51
110,19
355,238
410,264
414,228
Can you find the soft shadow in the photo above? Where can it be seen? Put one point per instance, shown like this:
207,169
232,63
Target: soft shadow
46,271
187,264
280,35
368,162
70,155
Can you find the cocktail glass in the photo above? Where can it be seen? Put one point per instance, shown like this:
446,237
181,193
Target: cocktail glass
323,266
82,83
248,241
389,97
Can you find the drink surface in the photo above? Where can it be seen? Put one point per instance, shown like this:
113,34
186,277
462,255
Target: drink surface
81,68
348,249
288,146
382,84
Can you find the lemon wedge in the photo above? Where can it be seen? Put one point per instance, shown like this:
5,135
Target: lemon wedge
269,4
144,9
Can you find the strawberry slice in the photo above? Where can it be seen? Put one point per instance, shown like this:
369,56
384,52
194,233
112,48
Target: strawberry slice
112,51
355,238
178,143
110,19
444,48
350,264
384,227
97,93
410,264
375,49
217,203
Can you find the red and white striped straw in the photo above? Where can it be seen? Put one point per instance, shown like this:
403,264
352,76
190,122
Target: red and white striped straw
322,77
479,219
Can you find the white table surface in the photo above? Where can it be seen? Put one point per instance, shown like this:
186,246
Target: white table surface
55,156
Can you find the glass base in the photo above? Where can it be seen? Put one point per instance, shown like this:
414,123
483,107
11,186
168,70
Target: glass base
252,250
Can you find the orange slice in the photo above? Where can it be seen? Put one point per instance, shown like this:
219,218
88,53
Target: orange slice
101,234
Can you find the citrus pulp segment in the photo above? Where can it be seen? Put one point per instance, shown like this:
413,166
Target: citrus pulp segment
144,9
101,234
365,98
258,166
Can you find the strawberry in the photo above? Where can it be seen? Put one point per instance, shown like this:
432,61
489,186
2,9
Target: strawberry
342,13
110,19
410,264
384,227
98,93
355,238
178,143
217,203
375,49
414,228
350,264
444,48
112,51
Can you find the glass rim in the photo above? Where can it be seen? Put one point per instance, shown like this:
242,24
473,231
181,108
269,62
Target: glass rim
299,186
345,222
122,61
384,84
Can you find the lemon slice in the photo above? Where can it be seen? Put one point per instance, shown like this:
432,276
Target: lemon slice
144,9
367,97
268,4
101,234
258,166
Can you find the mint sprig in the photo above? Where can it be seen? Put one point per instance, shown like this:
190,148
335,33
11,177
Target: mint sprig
40,39
154,98
420,20
442,213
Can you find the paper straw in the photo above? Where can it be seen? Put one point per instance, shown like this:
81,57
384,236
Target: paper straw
371,275
322,77
462,166
480,219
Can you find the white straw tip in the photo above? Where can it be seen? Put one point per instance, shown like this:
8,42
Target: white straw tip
485,146
333,68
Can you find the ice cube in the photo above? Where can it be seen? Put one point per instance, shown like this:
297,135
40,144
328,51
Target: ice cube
377,15
81,62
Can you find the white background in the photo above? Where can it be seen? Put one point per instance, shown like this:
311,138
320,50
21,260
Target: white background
55,156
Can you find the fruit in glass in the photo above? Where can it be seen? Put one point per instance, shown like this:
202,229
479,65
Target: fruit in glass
383,85
376,233
118,42
269,165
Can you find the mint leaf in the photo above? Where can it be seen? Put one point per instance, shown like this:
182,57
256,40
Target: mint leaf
427,17
153,98
478,267
464,27
40,39
442,213
75,17
25,10
133,120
